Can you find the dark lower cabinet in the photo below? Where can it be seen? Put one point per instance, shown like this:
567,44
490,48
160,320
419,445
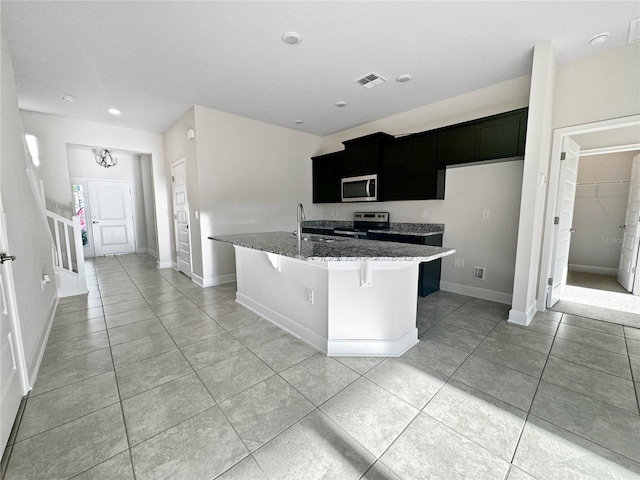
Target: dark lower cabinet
410,169
429,274
327,175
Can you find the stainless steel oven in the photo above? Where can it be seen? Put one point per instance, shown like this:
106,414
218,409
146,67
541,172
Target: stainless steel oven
360,189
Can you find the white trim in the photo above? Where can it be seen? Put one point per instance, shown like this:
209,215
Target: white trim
373,348
142,250
522,318
153,253
552,192
476,292
294,328
214,280
592,269
165,264
616,149
34,368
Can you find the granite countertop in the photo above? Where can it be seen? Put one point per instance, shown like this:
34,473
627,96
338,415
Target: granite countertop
417,229
319,248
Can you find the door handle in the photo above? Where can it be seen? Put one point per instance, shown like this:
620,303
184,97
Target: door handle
573,230
94,222
5,258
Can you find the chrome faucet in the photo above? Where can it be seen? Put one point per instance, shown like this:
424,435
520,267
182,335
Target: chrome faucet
300,218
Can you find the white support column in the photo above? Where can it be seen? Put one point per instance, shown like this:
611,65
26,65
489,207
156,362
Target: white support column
534,184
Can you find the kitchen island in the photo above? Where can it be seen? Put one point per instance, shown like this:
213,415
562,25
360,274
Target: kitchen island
344,297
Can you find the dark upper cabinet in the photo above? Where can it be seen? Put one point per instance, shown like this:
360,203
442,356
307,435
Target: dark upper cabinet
363,156
498,136
327,173
409,169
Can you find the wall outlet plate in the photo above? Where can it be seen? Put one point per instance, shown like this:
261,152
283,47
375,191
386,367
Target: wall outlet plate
485,213
423,213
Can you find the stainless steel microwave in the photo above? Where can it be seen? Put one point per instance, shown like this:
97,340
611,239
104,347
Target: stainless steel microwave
360,189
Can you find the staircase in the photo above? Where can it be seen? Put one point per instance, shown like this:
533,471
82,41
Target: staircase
65,238
68,257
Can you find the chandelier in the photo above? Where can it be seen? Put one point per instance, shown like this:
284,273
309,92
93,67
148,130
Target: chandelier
105,159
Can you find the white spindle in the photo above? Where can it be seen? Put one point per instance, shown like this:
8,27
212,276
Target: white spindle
68,245
56,231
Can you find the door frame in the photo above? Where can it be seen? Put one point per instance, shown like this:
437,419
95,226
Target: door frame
11,303
549,236
84,181
175,229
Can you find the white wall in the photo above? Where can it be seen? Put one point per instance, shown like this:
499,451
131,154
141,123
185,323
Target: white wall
82,165
250,177
26,232
487,243
598,88
55,133
601,199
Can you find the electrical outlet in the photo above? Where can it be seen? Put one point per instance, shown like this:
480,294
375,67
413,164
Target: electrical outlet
310,296
458,262
333,213
423,213
478,273
485,213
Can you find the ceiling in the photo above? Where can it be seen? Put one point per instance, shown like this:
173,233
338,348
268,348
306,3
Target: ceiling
153,60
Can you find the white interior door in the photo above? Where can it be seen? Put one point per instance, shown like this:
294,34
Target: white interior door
111,217
13,379
631,237
563,220
181,216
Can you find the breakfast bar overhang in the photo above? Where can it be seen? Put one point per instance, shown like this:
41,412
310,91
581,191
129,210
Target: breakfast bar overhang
345,297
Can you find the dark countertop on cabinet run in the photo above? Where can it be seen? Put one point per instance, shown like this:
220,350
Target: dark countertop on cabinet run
318,248
418,229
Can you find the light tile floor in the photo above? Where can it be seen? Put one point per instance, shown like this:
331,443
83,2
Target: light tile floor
151,377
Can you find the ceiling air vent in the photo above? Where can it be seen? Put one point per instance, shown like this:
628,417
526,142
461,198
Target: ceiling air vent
370,80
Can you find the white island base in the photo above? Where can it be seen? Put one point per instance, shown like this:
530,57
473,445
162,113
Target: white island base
342,308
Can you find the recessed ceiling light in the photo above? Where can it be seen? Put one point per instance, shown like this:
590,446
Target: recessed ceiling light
291,38
403,78
341,103
599,39
67,98
298,122
114,111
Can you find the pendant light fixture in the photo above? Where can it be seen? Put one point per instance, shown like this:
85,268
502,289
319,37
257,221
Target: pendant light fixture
105,159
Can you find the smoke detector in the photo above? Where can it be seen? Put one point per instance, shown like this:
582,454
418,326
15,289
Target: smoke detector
370,80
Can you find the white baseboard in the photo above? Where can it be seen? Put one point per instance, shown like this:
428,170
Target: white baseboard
142,250
152,252
214,280
591,269
477,292
165,264
299,331
34,363
519,317
373,348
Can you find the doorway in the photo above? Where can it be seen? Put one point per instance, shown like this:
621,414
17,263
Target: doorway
89,179
181,216
588,293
